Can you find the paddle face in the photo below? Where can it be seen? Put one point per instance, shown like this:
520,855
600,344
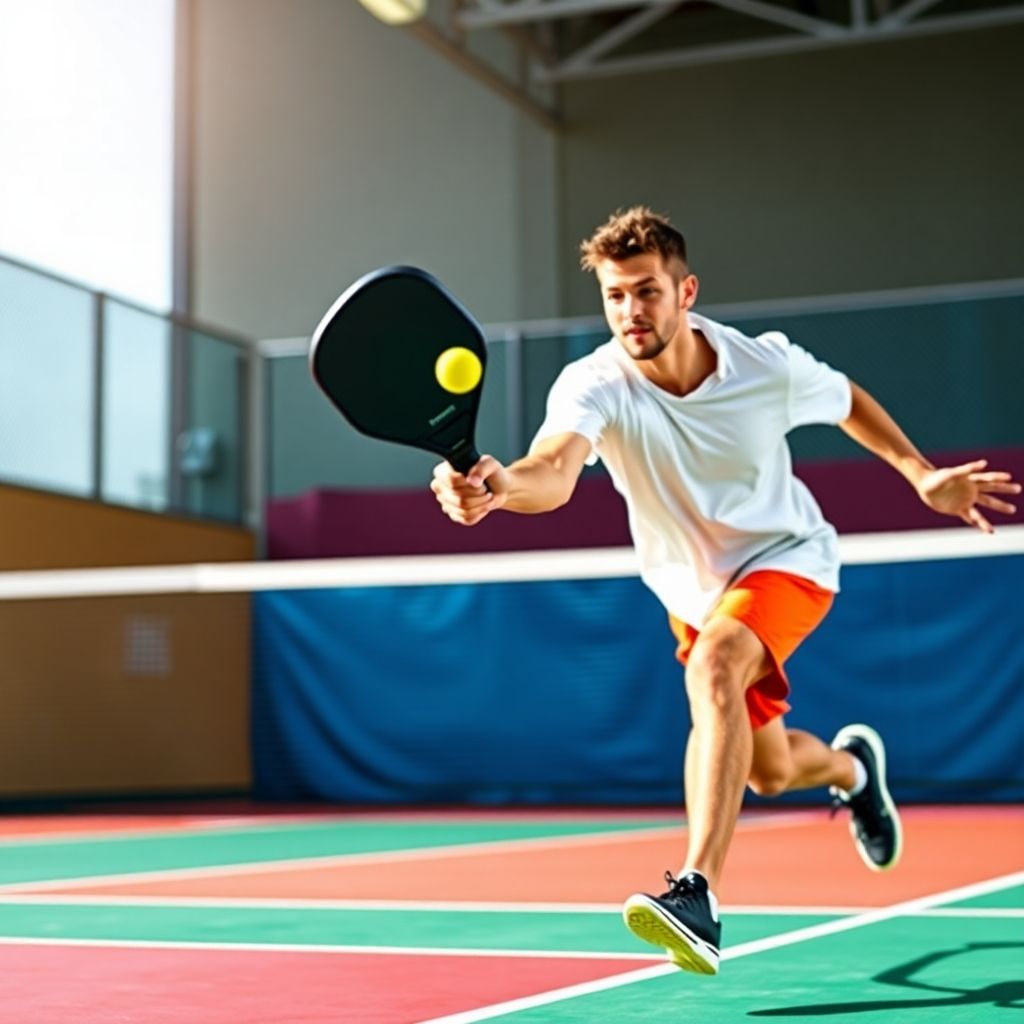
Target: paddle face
374,355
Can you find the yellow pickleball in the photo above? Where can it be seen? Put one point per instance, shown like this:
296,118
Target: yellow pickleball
458,370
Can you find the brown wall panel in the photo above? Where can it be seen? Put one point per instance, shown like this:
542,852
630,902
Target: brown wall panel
39,530
120,695
124,694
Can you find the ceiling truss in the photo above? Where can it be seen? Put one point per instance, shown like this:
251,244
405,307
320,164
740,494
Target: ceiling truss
556,41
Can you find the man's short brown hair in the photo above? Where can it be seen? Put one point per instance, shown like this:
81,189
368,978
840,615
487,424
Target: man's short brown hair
633,232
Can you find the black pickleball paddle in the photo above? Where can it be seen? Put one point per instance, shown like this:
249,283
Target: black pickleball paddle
375,355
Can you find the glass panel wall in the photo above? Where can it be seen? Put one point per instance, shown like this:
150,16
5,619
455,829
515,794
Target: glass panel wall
100,398
47,400
947,368
211,445
136,408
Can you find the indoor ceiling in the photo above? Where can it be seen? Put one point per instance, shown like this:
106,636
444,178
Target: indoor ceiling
547,42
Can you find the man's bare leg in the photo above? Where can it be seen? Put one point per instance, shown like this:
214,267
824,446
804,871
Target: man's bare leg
726,658
786,759
856,773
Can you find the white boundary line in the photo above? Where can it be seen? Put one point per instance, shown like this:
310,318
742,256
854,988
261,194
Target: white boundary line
917,907
189,828
735,952
419,853
332,949
431,906
484,847
433,570
455,906
268,824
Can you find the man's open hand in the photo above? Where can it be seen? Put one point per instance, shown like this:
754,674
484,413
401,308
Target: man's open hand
963,490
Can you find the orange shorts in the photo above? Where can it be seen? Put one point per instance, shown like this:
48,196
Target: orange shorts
781,610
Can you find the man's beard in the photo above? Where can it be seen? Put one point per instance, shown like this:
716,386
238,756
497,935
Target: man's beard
657,343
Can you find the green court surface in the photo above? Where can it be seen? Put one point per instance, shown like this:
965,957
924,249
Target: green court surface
1010,899
399,934
902,971
53,858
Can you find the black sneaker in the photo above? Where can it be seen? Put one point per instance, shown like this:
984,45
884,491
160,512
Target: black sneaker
684,921
874,820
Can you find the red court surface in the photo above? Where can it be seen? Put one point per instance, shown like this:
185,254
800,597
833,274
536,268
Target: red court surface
154,960
809,858
43,983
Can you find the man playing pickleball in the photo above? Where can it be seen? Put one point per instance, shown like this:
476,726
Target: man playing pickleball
690,418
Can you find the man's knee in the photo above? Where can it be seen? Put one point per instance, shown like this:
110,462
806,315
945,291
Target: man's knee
770,782
718,668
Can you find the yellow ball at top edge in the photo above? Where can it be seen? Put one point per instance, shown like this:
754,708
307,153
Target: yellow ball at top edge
458,370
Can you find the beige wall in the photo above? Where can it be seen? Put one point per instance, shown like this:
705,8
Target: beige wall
328,144
865,167
119,695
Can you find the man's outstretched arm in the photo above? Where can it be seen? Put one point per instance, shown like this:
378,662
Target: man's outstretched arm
954,490
539,482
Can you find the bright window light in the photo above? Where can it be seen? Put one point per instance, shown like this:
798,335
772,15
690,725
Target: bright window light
86,118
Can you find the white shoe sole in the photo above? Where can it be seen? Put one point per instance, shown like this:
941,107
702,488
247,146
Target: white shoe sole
874,741
646,920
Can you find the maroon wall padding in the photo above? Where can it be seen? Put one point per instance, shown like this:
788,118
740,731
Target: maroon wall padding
332,524
867,496
858,496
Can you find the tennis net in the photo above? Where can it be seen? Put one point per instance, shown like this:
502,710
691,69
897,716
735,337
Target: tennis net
512,678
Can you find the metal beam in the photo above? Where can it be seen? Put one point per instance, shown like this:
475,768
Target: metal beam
702,55
902,15
585,56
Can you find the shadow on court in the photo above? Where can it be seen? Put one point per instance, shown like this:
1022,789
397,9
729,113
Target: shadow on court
1008,995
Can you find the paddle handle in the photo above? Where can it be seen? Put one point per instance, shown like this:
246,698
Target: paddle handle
464,460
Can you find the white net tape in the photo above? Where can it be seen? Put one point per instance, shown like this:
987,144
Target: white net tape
420,570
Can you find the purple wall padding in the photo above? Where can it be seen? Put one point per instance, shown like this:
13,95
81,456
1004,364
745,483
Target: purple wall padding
867,496
858,496
334,524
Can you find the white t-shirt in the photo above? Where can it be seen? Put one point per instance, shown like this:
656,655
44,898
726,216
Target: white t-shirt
707,477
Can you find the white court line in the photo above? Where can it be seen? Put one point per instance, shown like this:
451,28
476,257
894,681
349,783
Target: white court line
404,906
455,906
263,825
485,847
310,947
277,822
735,952
247,826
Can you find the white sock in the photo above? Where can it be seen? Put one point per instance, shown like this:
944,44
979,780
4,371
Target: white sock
860,777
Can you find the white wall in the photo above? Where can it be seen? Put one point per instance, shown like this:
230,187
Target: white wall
328,144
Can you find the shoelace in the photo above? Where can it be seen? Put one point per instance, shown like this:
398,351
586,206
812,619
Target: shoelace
679,888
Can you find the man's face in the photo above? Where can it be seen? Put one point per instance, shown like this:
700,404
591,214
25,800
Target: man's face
643,303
